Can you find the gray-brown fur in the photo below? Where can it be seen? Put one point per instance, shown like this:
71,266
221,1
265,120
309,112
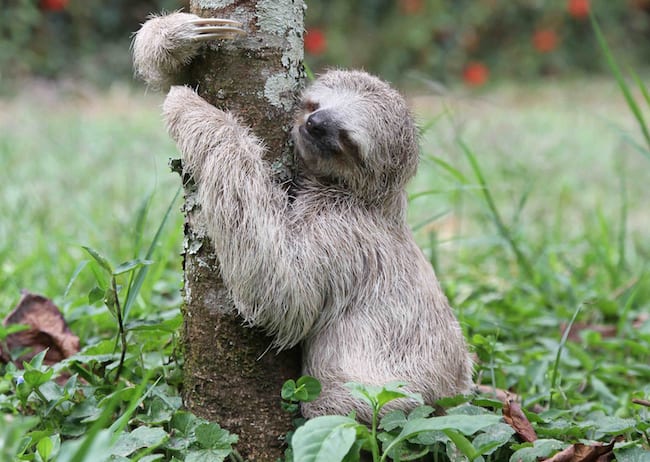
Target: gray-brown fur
329,263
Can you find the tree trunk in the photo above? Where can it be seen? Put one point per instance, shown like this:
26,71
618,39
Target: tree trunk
230,376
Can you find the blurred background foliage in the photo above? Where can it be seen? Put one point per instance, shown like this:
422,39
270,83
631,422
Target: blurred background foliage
475,41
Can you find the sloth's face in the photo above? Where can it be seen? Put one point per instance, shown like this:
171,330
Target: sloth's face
325,137
353,127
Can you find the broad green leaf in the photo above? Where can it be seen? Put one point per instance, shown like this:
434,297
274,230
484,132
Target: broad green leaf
311,386
141,437
45,448
393,420
540,449
37,378
393,391
492,438
288,389
70,386
610,425
158,412
365,393
378,397
124,395
36,362
465,424
184,422
87,448
632,454
405,450
453,401
354,454
324,439
95,295
463,444
421,412
212,436
205,455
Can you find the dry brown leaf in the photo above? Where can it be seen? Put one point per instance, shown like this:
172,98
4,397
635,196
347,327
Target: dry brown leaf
565,455
48,329
605,330
578,452
505,395
515,417
498,393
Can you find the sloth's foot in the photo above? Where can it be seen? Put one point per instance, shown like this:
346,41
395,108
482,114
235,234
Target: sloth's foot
166,43
214,29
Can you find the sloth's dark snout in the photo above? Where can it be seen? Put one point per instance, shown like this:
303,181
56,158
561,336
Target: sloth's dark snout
324,134
320,125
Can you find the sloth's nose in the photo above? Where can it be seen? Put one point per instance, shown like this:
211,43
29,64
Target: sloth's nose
319,123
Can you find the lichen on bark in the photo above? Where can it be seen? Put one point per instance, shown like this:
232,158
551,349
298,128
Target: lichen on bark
230,376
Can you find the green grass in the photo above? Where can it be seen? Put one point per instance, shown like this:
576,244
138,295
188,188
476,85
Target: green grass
76,170
539,206
530,201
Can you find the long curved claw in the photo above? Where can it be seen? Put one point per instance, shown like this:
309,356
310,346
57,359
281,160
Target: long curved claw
216,29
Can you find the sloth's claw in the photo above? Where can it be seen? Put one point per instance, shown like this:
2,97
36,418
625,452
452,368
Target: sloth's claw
216,29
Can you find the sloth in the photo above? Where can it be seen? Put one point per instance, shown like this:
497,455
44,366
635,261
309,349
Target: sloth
329,264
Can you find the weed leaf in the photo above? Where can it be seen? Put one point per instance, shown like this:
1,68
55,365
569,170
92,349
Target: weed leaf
324,439
141,437
100,259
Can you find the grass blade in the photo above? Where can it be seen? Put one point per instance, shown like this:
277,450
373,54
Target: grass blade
74,276
138,280
503,230
447,167
642,88
616,70
560,347
140,221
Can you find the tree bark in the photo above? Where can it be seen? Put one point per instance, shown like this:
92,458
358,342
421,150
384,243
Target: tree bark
230,375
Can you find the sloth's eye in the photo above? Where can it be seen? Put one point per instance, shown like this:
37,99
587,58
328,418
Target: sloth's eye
310,106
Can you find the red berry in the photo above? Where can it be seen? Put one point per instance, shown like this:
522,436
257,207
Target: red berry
545,40
579,9
475,74
315,41
53,5
411,7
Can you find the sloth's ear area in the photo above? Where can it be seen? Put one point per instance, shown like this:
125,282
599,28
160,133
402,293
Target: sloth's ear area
309,106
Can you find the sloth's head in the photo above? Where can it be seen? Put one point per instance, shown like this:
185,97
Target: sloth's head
354,129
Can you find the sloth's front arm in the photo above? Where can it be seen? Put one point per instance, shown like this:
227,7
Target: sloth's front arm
271,271
166,43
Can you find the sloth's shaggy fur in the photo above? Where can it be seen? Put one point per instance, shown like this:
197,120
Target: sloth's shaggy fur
332,264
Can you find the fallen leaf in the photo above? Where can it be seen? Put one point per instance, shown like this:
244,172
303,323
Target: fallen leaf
578,452
605,330
498,393
505,395
565,455
515,417
47,329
